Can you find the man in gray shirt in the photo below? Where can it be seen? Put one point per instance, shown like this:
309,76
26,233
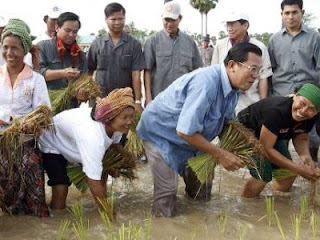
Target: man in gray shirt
295,56
117,57
169,53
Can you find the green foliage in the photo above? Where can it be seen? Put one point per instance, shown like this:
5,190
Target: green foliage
264,37
308,20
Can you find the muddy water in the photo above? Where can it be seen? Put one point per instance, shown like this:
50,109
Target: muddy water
199,219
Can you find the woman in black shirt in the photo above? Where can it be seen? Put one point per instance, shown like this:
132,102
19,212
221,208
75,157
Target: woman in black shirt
282,118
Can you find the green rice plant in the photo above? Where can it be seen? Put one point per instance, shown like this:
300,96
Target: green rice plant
79,227
282,173
314,224
116,162
269,200
243,233
203,165
303,206
62,230
12,139
63,99
107,205
107,223
223,218
147,227
134,144
280,228
234,138
193,235
296,225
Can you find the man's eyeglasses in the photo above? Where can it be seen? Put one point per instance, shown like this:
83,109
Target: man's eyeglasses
253,70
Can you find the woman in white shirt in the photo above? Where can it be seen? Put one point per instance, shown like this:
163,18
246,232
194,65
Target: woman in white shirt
21,91
83,135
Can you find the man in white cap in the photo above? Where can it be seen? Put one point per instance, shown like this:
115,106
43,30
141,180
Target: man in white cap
169,53
51,20
3,23
237,24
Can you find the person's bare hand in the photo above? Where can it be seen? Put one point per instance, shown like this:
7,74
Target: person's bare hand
231,162
309,173
71,73
138,107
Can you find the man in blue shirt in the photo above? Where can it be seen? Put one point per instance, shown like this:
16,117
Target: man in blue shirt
191,112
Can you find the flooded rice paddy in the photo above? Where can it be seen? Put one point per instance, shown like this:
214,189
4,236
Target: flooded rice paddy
244,218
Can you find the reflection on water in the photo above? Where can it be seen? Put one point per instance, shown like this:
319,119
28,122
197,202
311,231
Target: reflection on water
200,219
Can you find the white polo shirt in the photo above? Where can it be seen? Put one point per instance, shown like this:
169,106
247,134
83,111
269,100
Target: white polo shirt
79,139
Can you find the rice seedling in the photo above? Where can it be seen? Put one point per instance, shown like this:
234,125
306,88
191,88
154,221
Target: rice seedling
79,227
269,200
280,228
63,227
282,173
296,224
223,218
314,224
12,139
193,235
107,223
116,162
243,233
234,138
303,206
107,205
65,98
147,227
134,144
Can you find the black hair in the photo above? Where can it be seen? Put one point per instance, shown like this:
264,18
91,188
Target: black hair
242,21
93,112
68,16
239,53
112,8
292,2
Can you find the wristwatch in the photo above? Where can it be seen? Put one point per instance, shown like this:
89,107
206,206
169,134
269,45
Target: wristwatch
137,101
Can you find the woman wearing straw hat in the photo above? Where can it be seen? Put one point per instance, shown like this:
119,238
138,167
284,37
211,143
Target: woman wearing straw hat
279,118
21,91
83,135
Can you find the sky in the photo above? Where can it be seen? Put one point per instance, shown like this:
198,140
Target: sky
264,15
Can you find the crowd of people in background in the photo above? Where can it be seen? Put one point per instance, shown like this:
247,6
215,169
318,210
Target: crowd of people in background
190,92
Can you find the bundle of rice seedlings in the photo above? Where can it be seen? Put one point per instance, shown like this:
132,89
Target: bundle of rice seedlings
234,138
63,99
134,144
13,137
282,173
116,162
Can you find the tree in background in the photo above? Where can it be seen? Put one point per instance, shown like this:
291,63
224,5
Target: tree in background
264,37
308,20
204,6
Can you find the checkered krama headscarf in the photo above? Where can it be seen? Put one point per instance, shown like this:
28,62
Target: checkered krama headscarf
20,29
113,104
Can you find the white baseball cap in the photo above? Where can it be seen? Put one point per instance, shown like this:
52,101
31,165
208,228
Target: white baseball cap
3,21
233,16
171,10
54,12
